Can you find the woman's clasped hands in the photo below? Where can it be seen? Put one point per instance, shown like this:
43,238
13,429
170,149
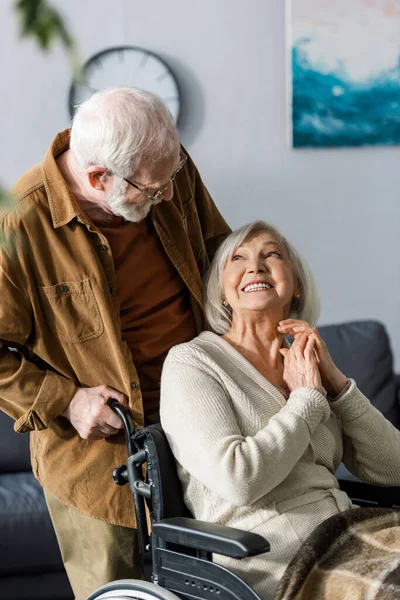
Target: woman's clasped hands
308,362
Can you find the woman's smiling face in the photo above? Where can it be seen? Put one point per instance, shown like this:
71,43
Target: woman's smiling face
260,277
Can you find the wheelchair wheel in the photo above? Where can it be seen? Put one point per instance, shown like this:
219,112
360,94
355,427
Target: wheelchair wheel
132,589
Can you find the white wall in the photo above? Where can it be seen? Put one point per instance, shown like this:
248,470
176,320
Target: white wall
340,207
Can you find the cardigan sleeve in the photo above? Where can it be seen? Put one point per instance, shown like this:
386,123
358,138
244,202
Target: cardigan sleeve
200,422
371,443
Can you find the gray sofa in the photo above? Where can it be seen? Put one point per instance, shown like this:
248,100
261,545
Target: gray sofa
361,349
30,562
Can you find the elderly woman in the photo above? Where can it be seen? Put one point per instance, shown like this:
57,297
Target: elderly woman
259,428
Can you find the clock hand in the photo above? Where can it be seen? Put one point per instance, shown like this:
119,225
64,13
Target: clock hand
144,60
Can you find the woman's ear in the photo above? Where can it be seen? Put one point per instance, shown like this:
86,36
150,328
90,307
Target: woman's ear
297,292
296,298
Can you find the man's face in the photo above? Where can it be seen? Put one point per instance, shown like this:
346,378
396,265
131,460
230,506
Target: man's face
128,202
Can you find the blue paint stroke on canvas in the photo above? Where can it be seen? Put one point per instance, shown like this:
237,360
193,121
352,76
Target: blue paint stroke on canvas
332,109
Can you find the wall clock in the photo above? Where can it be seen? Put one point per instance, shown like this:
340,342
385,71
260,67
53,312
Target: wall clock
126,66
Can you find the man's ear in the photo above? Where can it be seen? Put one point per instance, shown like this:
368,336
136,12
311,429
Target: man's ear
97,177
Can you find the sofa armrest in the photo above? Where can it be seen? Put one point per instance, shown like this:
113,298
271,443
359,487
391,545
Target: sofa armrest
210,537
370,495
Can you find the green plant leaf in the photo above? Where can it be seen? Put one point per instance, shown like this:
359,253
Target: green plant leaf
44,23
40,21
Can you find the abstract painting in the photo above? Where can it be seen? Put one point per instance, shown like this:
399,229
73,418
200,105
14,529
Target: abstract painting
344,72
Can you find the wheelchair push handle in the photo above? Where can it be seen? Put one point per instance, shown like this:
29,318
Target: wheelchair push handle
132,473
127,422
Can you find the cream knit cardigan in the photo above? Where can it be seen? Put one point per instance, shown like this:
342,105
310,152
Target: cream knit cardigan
251,459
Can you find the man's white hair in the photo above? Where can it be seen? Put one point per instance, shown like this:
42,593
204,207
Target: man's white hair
121,128
219,316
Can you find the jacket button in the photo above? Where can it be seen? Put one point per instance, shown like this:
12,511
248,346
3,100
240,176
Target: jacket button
64,287
113,291
134,385
103,247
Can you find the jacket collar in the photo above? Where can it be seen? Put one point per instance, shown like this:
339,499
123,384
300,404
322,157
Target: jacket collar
63,205
166,217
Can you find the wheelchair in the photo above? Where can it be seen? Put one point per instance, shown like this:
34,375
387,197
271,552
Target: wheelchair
177,555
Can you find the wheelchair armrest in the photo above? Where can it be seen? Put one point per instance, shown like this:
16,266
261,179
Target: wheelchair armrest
371,495
211,537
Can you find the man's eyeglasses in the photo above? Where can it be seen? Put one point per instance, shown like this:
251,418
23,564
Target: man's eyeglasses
159,193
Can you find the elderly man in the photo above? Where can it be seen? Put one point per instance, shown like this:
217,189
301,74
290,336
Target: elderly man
99,278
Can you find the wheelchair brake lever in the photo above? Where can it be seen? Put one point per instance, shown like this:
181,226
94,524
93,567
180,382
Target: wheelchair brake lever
129,427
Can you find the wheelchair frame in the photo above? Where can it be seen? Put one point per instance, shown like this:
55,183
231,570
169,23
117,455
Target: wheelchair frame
177,555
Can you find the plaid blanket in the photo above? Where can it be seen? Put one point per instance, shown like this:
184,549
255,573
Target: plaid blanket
354,555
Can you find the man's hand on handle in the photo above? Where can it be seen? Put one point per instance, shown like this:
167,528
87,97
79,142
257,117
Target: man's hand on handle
89,414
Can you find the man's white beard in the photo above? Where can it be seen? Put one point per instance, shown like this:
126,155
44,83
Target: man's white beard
130,212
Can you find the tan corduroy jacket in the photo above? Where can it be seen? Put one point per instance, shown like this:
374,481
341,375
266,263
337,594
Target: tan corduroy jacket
59,304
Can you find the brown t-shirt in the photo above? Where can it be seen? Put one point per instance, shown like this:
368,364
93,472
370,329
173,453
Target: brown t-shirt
154,304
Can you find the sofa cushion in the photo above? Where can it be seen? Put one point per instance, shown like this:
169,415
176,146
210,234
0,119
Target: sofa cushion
14,447
27,541
37,586
361,349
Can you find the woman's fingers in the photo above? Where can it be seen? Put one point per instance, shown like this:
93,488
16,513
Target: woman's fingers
310,331
299,345
287,323
300,367
309,350
313,375
295,327
302,328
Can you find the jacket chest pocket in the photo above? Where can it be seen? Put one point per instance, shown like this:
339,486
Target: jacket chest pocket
70,311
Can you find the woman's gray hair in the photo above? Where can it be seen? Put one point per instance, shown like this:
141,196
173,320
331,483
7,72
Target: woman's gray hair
219,316
120,128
